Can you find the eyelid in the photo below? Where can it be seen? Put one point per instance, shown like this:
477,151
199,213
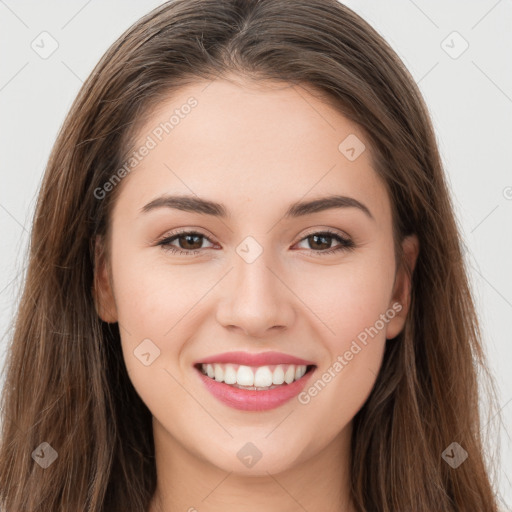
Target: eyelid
209,236
325,229
345,242
187,230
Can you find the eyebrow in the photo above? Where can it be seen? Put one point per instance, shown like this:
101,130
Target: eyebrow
195,204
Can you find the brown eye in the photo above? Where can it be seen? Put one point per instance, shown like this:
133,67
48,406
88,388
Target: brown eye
320,242
191,241
188,242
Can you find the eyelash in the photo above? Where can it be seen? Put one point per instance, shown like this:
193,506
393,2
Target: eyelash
345,243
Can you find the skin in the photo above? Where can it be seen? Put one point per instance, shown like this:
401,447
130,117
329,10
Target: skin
256,148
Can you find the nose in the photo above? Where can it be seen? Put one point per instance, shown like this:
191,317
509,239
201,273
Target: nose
256,298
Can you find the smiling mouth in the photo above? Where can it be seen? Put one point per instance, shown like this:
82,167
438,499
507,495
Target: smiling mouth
260,378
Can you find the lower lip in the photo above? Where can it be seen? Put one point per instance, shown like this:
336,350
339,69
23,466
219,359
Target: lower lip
250,400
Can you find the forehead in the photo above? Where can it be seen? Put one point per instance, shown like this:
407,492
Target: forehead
252,145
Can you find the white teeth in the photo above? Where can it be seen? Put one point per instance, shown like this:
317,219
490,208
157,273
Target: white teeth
255,377
219,372
263,377
245,376
278,375
299,372
289,376
229,374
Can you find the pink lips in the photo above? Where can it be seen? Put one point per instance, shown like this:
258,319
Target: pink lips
248,359
253,400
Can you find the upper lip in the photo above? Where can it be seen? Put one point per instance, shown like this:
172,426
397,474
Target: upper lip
251,359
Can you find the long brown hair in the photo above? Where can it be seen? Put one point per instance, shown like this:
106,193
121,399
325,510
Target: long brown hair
66,383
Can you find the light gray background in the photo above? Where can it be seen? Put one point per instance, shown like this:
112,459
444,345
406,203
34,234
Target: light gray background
470,99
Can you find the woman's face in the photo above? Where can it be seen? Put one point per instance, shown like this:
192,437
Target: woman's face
255,279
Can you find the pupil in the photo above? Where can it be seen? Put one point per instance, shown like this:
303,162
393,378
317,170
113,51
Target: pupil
315,237
188,237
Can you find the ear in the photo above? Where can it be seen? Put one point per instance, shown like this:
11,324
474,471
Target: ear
102,288
401,297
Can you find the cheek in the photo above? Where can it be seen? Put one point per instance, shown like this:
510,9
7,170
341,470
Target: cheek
349,297
154,303
158,302
353,306
152,298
